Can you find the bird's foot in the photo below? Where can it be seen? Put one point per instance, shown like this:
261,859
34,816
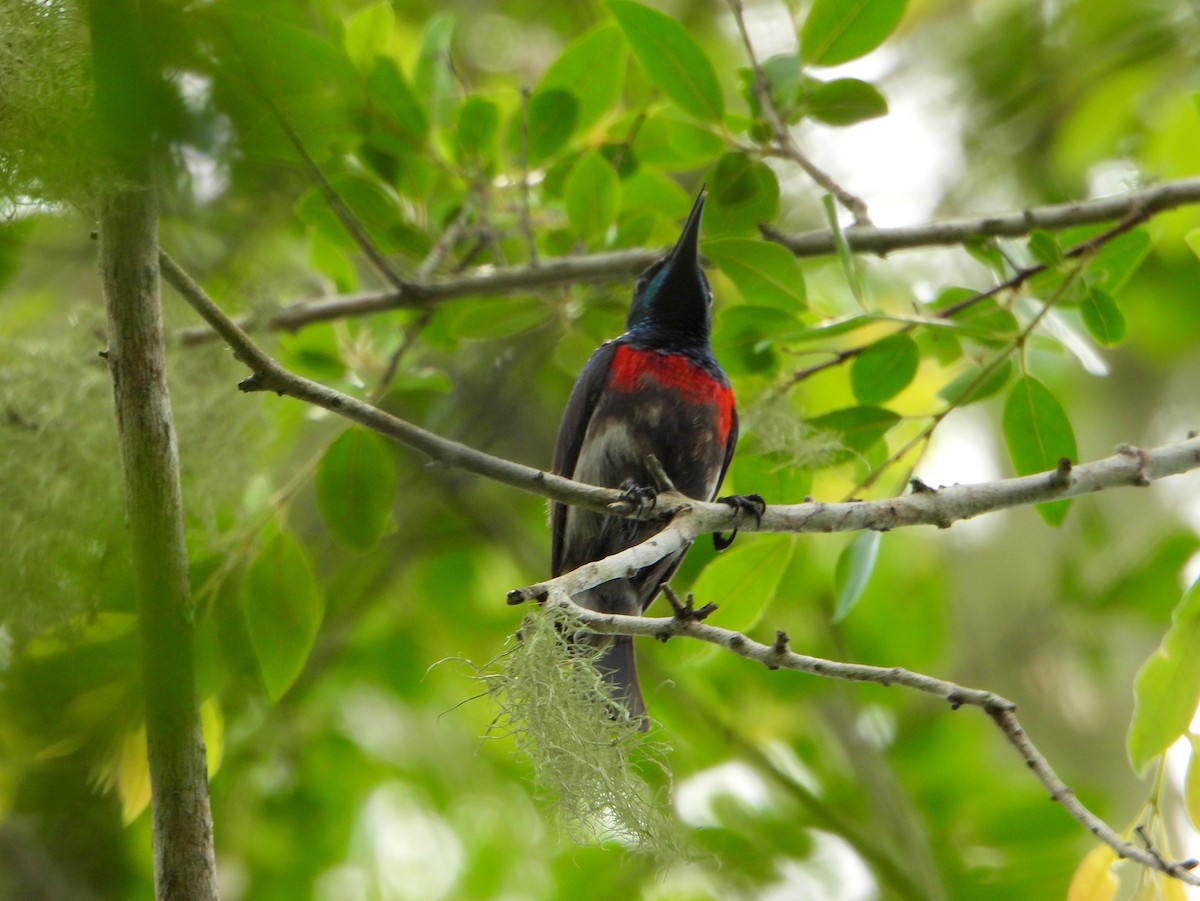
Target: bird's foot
752,504
637,499
685,610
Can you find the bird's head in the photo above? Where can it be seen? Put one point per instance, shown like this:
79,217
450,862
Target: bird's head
672,300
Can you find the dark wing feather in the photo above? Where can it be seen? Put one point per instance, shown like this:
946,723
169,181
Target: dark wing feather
730,447
574,425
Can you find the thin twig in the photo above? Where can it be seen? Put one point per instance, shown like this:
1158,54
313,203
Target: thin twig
620,265
784,141
526,217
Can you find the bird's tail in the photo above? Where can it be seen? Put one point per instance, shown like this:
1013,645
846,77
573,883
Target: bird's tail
619,668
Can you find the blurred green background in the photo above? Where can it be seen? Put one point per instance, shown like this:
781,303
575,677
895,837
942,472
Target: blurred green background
349,742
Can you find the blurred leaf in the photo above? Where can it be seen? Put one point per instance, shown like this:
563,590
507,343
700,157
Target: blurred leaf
433,79
552,117
284,607
973,385
390,89
1038,434
844,254
858,428
1116,261
1102,317
478,121
884,369
1166,690
1094,880
764,273
133,775
855,566
356,486
1191,783
673,143
845,101
837,31
212,725
497,318
367,33
672,59
593,196
1044,248
591,69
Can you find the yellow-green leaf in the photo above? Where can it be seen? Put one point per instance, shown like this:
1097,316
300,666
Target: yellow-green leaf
367,33
1167,687
1093,879
1191,783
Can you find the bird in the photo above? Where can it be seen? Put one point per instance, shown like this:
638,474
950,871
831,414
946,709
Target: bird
655,391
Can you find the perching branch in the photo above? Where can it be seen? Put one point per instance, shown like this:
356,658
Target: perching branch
941,507
620,265
779,655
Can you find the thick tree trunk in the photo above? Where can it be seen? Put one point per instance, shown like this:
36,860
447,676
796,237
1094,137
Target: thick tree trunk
184,869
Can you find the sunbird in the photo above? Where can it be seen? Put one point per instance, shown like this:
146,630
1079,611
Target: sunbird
656,390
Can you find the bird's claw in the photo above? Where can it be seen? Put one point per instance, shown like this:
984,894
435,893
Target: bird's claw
637,499
753,504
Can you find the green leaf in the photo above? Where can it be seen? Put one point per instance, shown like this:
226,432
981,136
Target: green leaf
845,101
745,340
844,254
367,33
478,121
855,565
1044,248
356,485
500,317
283,606
433,78
884,369
743,581
976,384
858,428
1191,783
763,272
1116,262
1166,690
672,59
592,70
1038,434
593,196
837,31
674,144
390,89
1102,317
552,117
742,194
